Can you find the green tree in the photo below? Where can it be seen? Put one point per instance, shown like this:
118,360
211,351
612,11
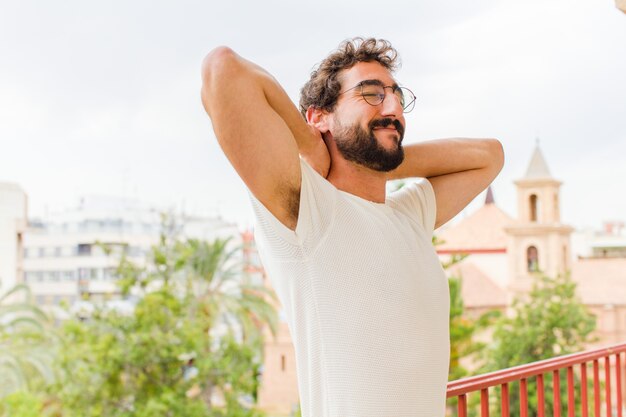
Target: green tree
550,321
463,327
166,356
463,331
215,273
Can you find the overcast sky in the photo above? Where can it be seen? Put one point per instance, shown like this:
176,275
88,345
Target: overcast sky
103,97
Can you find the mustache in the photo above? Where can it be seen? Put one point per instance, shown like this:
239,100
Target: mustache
386,122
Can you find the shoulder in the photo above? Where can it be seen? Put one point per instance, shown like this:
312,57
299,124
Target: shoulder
416,200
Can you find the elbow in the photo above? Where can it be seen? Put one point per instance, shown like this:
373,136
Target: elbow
495,155
216,61
218,66
498,153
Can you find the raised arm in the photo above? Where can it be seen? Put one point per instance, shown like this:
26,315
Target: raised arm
458,169
260,130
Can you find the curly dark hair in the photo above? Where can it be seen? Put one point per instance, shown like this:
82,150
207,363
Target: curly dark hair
322,89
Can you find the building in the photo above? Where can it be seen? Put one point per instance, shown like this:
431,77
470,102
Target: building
480,237
277,394
536,241
610,242
504,254
13,219
72,255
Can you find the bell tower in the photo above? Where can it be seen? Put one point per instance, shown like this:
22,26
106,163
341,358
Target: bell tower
538,243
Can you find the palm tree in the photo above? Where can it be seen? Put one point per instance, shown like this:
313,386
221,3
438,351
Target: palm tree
219,289
216,278
25,342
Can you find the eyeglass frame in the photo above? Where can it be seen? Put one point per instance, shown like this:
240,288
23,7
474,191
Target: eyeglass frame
378,83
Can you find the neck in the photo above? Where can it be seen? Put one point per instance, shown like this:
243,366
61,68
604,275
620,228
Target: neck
357,180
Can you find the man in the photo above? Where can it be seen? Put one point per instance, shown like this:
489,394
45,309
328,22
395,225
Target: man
363,291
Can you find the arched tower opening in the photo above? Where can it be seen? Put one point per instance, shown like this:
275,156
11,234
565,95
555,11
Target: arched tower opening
533,200
532,259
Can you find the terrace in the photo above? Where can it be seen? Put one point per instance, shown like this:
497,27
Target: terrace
589,383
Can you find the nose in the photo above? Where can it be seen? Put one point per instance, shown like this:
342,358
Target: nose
391,105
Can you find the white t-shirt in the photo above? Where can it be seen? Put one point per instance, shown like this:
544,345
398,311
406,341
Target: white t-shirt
365,299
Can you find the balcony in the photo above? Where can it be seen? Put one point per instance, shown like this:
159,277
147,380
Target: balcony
583,384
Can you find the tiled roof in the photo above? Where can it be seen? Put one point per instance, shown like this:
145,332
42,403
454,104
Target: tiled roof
482,230
477,289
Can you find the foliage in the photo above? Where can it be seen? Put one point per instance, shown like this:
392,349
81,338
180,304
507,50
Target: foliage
463,327
21,404
551,321
26,343
193,332
463,331
212,279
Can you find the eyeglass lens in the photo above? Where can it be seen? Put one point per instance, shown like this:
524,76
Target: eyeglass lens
375,94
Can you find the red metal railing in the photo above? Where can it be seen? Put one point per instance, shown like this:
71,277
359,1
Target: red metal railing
575,366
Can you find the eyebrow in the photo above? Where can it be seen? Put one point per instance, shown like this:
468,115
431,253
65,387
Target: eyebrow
377,82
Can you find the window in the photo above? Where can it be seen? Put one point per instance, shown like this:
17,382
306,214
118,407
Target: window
109,274
93,274
534,208
83,273
532,259
54,276
84,249
135,251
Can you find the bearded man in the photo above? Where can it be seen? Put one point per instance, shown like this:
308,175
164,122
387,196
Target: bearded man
363,291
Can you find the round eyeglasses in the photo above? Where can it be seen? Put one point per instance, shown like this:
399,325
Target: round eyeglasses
374,94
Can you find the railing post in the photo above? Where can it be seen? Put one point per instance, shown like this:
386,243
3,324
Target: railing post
504,398
541,402
596,388
583,385
484,402
571,404
556,394
523,398
607,375
462,405
618,377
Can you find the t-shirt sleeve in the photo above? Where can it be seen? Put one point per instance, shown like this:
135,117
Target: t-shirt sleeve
417,200
315,214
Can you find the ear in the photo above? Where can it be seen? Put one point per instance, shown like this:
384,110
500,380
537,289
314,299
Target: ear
318,118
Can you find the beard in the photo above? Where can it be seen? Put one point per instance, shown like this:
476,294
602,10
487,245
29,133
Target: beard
361,146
